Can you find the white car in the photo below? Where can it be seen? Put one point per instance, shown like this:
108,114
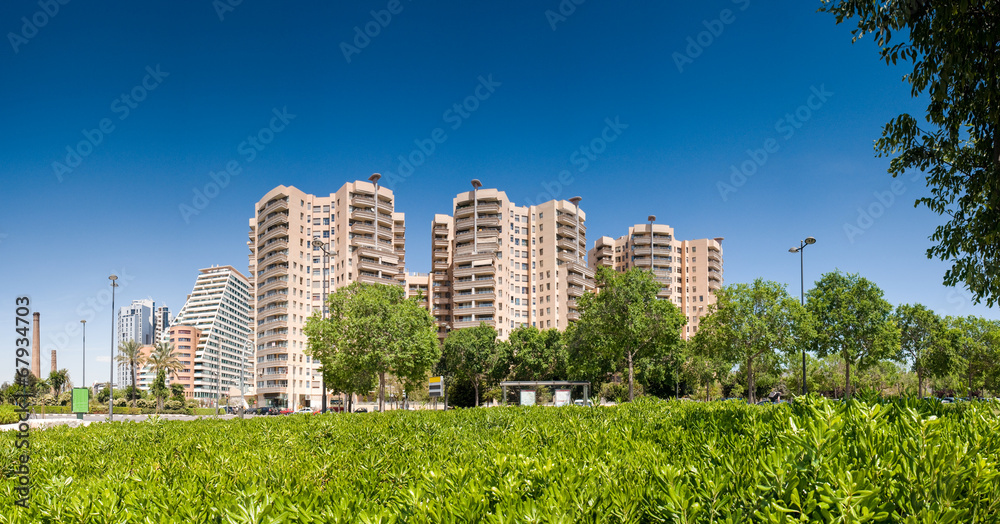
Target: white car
303,411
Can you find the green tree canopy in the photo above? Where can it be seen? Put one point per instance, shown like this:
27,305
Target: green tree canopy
373,329
130,354
537,354
852,319
474,354
753,325
622,323
921,331
164,358
975,346
952,47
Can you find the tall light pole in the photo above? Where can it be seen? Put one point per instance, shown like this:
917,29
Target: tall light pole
84,379
111,378
476,184
802,294
576,203
326,278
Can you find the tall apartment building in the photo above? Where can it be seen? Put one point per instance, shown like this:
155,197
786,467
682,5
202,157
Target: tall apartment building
161,323
689,271
212,336
419,285
507,265
135,322
359,226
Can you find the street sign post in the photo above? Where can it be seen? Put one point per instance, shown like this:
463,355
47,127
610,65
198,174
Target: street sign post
435,386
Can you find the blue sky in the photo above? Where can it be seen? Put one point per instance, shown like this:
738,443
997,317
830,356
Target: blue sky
163,94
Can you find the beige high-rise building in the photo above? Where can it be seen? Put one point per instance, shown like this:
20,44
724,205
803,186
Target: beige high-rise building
507,265
366,238
689,271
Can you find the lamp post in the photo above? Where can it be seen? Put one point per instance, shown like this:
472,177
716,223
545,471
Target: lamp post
476,184
802,294
326,278
111,378
84,379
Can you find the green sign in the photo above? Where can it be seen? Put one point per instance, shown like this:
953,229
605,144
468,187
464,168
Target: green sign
81,400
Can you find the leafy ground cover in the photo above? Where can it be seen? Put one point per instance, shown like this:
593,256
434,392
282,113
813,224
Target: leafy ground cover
816,461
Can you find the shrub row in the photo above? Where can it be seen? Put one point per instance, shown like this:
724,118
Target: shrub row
814,461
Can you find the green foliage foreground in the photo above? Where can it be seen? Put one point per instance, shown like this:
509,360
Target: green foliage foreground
818,461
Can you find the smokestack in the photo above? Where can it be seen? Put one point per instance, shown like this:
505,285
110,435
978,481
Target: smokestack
54,367
36,349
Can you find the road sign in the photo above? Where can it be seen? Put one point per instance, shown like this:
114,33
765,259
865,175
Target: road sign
436,386
81,400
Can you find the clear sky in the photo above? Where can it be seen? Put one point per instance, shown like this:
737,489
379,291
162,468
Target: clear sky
117,114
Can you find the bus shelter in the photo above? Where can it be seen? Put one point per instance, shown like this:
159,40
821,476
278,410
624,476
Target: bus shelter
552,383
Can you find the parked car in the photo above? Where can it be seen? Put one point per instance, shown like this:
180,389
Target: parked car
580,402
303,411
361,410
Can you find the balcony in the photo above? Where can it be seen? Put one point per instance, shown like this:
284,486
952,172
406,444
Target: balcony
478,310
579,280
474,284
569,256
714,265
441,242
567,243
642,251
472,323
360,200
572,315
274,324
363,214
272,246
374,279
273,310
272,391
271,338
276,351
276,270
462,272
488,207
280,204
657,250
714,285
267,235
280,218
272,285
363,228
273,376
270,299
575,291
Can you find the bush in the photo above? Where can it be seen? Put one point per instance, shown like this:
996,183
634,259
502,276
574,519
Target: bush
146,403
646,461
8,415
617,392
174,405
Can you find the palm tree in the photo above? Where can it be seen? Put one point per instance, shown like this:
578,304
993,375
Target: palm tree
58,379
164,359
130,354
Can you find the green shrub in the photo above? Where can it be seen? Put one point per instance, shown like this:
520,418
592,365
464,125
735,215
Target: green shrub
645,461
8,415
174,404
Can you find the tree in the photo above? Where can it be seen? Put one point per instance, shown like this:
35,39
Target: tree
159,388
624,322
164,358
975,347
373,329
536,354
920,329
753,325
853,320
473,353
130,354
177,392
952,46
58,379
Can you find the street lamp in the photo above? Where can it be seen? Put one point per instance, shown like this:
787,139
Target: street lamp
84,379
802,293
326,278
111,378
476,184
